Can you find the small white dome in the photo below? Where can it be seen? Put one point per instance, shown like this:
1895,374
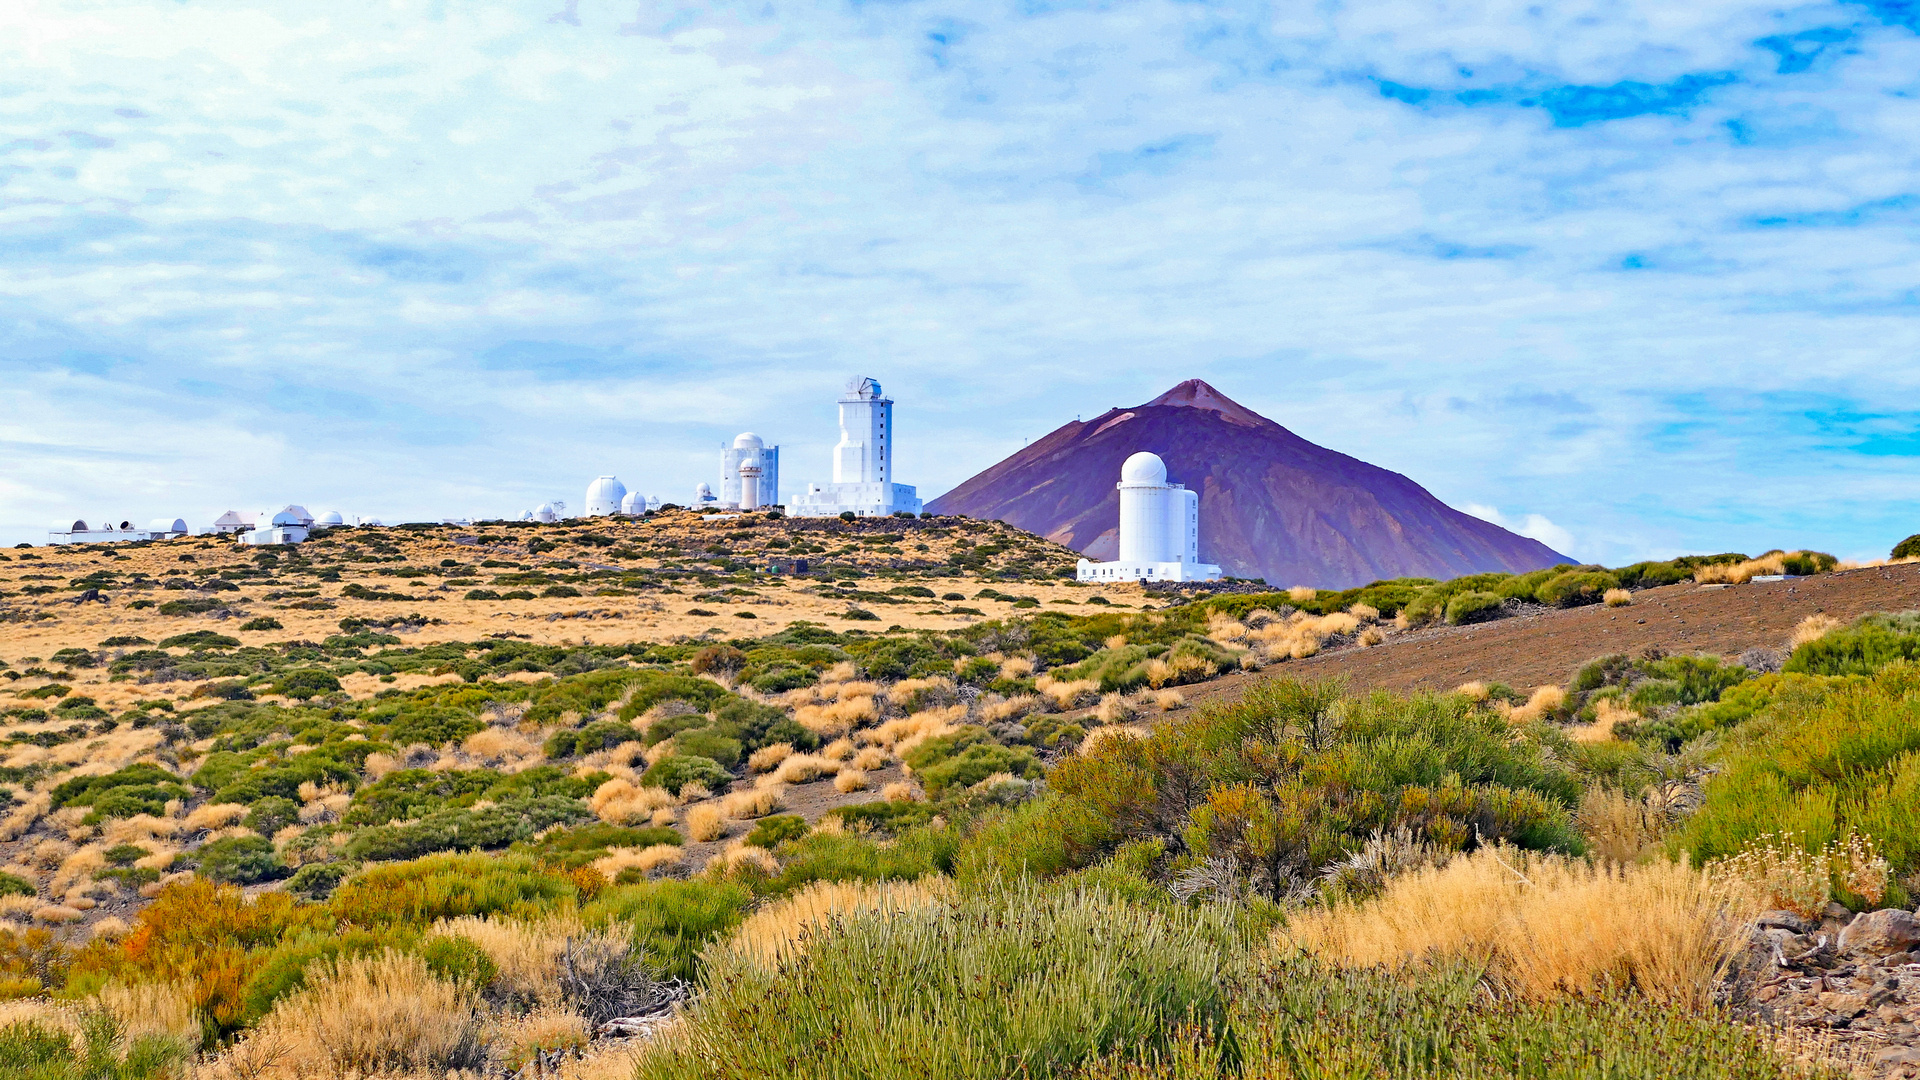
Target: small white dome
704,491
168,525
633,503
332,517
1144,468
604,495
747,440
285,518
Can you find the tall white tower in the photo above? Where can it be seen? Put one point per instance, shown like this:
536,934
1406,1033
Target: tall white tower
749,448
1159,529
864,454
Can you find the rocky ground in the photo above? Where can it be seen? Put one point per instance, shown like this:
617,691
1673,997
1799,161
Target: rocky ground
1853,978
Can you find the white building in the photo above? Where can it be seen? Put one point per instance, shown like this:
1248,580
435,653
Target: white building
634,504
862,462
288,526
233,521
1159,529
107,532
738,465
703,496
604,496
330,519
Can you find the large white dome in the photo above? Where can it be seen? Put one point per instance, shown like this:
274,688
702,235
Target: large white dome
747,440
1144,468
604,495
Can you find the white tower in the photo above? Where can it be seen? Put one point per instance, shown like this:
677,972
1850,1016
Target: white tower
1159,529
748,447
864,454
604,495
862,462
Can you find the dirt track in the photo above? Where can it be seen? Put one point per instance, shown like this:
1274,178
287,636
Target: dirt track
1534,650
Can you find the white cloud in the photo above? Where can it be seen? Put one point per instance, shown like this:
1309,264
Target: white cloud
1531,526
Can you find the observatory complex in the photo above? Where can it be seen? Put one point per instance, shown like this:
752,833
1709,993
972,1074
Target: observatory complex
1159,529
862,462
749,473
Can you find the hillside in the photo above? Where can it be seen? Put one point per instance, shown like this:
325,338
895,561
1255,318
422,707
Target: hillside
1272,505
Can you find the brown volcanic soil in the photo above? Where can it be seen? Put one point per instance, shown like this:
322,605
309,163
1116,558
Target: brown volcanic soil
1546,647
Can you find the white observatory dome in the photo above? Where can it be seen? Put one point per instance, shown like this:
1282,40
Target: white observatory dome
604,495
545,513
1144,468
634,503
168,525
331,517
704,491
747,440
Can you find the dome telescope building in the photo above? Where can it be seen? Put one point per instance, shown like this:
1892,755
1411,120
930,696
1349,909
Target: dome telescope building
749,473
634,504
604,496
1159,529
862,462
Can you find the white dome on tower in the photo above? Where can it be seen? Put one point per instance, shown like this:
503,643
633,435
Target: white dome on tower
747,440
604,495
1144,468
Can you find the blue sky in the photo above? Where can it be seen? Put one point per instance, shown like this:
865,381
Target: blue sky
1637,277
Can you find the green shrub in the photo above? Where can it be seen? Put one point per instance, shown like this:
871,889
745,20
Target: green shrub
1576,587
1073,974
1869,644
264,622
241,860
460,829
196,606
15,885
676,771
272,814
1908,548
887,818
671,921
33,1051
820,856
711,744
311,683
562,591
967,757
582,844
1041,838
459,961
316,881
447,886
776,829
1472,607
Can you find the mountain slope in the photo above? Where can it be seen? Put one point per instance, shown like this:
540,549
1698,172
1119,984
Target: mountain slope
1272,505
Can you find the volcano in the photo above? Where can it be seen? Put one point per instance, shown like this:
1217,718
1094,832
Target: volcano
1272,504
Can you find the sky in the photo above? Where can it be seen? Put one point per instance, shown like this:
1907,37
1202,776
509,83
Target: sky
1636,278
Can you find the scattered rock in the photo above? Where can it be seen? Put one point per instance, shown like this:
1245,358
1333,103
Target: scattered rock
1879,933
1784,920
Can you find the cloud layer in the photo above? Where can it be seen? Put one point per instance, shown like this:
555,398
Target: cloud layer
1640,272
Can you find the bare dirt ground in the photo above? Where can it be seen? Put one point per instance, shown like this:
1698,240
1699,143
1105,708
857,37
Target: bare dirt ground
1546,647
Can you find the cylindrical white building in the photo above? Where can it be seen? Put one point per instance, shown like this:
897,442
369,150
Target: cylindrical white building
604,495
749,485
1147,521
634,504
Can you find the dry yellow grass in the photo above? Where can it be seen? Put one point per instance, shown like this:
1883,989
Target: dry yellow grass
25,816
1774,562
76,868
1300,594
1069,694
1617,597
138,829
1100,735
1619,827
768,757
548,1028
849,780
1607,713
527,955
215,816
1012,708
803,769
620,802
1547,925
1113,709
693,793
838,717
903,733
838,750
740,855
755,803
1167,700
643,859
143,1009
1366,613
1371,636
1016,667
1813,628
901,791
501,746
57,914
1541,702
706,822
870,759
781,931
368,1015
911,694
